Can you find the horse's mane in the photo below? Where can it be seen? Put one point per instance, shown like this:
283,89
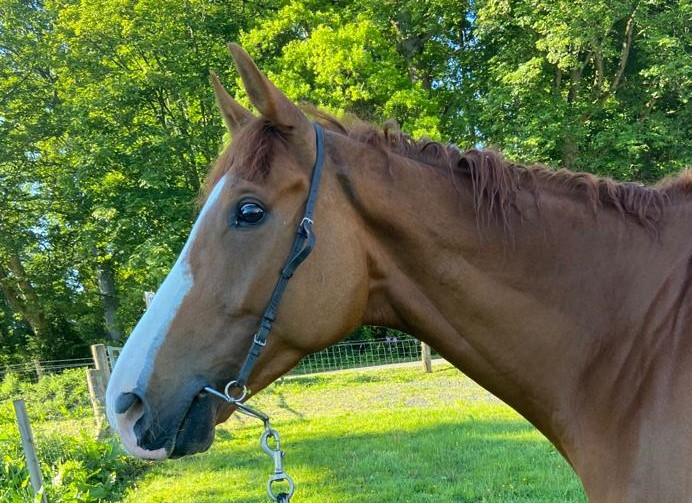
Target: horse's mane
495,180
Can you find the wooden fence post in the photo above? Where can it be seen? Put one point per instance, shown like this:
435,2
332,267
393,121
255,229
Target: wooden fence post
97,393
425,357
29,449
97,380
38,368
100,355
148,298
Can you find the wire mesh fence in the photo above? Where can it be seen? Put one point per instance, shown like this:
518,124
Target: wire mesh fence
75,463
347,355
34,370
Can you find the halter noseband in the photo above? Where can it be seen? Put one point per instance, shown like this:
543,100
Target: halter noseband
303,244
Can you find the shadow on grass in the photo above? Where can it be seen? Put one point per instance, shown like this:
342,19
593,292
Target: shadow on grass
473,461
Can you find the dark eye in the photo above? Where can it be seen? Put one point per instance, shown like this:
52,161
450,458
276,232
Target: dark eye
248,213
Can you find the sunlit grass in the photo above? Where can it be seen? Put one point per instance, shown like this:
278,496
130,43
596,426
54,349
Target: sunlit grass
375,436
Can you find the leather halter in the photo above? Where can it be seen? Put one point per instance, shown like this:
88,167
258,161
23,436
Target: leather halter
303,244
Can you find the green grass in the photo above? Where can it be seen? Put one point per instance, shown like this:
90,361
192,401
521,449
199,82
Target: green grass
374,436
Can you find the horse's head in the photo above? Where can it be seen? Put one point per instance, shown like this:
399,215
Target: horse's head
200,326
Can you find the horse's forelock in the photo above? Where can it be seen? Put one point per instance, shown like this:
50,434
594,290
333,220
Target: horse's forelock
249,156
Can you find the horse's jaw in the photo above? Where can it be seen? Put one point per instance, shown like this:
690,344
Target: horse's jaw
196,431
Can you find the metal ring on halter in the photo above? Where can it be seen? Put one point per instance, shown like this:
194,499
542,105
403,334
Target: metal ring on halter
235,384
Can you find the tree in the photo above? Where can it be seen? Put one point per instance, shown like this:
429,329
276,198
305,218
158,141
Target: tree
596,86
137,76
108,126
599,86
374,60
34,270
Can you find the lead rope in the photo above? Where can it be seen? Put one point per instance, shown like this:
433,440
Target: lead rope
270,434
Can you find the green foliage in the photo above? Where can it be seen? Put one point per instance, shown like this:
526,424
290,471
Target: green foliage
137,76
75,466
108,124
599,87
583,85
58,396
35,261
87,470
362,58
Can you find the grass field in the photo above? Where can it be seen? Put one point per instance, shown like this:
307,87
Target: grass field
384,435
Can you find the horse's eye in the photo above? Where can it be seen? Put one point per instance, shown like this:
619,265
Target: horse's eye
249,213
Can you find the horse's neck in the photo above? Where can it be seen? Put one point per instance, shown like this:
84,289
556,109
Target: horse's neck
559,262
522,310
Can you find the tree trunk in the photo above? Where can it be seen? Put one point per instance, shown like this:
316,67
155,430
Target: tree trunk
22,298
31,304
109,299
570,150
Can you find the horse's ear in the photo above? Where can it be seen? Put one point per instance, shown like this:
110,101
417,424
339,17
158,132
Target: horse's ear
268,99
234,114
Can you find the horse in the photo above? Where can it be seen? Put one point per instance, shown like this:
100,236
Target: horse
566,295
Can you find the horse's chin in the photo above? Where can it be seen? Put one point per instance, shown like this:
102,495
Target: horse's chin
196,430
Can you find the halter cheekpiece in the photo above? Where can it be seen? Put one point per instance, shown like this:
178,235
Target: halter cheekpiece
303,244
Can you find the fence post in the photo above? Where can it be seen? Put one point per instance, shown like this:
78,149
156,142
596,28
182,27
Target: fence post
38,368
97,393
425,356
29,448
148,298
97,381
100,355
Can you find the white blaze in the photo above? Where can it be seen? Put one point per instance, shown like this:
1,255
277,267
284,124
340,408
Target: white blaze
134,365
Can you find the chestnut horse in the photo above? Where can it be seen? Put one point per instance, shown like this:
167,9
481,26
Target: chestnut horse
567,296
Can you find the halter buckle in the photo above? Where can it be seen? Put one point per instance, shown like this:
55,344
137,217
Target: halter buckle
259,342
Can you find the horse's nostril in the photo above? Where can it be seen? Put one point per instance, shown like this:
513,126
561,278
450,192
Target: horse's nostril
124,402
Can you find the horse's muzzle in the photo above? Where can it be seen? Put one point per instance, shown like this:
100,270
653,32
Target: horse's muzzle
152,434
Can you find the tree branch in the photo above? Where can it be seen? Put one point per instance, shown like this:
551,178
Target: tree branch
624,53
622,64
